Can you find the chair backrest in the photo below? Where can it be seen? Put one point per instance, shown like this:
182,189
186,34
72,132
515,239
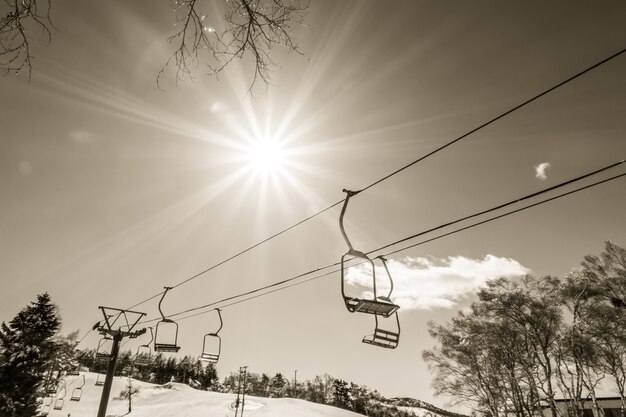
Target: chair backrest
76,394
100,379
166,342
383,337
211,348
58,404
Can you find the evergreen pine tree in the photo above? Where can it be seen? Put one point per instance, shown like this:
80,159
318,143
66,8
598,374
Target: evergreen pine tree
27,348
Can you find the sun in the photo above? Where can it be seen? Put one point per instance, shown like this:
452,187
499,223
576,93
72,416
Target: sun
266,156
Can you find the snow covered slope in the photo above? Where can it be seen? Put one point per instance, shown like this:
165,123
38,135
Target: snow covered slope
181,401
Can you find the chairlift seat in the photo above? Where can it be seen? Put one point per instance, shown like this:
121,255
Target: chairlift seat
166,347
383,338
58,404
45,410
99,381
143,355
76,394
73,372
102,355
209,357
381,306
51,390
142,360
211,353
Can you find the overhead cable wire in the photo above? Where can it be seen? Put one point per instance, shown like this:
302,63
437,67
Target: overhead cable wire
502,115
417,244
222,306
230,258
479,213
397,171
518,200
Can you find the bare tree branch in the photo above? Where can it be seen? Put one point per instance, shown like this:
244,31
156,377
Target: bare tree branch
254,27
18,19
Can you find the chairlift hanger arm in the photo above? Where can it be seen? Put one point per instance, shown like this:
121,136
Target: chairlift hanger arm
219,314
351,250
161,300
384,261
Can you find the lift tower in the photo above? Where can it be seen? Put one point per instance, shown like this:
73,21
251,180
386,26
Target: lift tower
118,324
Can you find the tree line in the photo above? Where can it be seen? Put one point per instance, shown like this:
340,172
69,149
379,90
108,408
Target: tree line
525,342
322,389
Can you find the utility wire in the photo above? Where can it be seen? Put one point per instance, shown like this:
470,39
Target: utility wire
482,212
463,136
526,197
506,113
403,248
230,258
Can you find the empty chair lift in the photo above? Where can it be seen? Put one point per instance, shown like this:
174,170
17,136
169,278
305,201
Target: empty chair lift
166,342
100,378
58,404
378,305
103,351
385,338
212,344
144,352
77,392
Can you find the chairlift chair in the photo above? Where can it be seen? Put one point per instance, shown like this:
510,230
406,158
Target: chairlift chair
73,371
77,392
58,404
377,305
381,337
45,410
212,344
100,379
101,352
142,357
161,345
384,338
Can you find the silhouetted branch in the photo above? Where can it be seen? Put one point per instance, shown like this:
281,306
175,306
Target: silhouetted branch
254,28
19,18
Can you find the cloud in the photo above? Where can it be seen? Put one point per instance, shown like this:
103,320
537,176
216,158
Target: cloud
540,170
427,283
83,137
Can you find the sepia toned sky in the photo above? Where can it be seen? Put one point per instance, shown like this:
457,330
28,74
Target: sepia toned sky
111,188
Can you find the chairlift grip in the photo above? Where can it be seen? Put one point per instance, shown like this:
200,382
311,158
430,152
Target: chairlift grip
161,300
151,337
343,212
219,314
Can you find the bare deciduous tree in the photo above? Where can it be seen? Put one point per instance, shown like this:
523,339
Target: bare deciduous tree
252,29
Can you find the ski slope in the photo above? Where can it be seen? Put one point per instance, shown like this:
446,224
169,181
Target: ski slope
179,400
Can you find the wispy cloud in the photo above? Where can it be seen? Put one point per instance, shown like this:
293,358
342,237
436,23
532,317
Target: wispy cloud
426,283
540,170
83,137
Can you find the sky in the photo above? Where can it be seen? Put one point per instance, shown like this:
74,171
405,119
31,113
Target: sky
112,188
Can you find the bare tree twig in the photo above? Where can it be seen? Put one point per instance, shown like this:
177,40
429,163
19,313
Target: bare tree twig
18,19
254,27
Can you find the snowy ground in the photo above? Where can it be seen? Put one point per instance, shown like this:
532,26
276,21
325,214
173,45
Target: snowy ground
178,400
